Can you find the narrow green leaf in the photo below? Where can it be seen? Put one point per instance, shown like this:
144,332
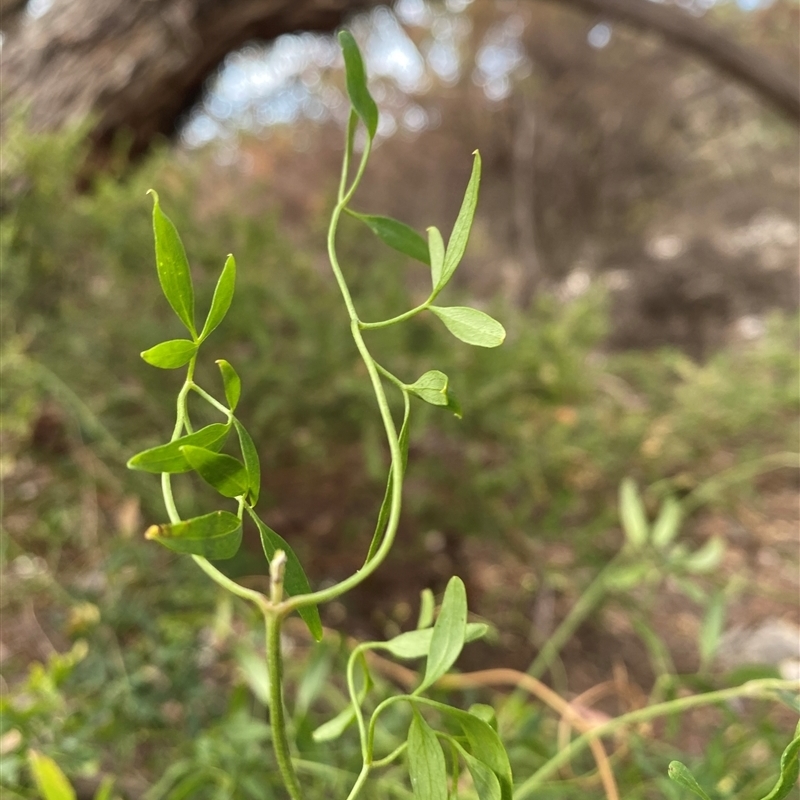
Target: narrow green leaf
386,505
625,577
790,770
485,745
232,383
486,783
314,678
251,461
471,326
254,671
295,581
632,515
711,628
223,294
334,728
436,250
216,535
356,79
225,473
173,267
50,780
680,774
431,387
397,235
170,355
486,713
457,244
707,557
417,644
427,606
449,633
105,789
426,764
169,458
667,524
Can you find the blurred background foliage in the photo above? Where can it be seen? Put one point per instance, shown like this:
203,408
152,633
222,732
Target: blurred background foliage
637,234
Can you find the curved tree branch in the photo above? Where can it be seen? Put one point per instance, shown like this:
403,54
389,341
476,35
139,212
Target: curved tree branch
777,85
138,65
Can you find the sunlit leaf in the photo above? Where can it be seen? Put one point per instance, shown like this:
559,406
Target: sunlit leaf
449,633
232,383
334,728
397,235
707,557
427,606
426,764
436,251
225,473
417,644
215,536
431,387
356,79
486,713
223,294
457,244
251,461
668,523
173,267
680,774
294,580
170,355
50,780
625,577
169,458
471,326
631,511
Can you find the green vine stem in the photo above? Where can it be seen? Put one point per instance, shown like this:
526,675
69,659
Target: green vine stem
277,714
182,422
332,592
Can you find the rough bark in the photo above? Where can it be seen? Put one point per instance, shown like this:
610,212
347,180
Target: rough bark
137,65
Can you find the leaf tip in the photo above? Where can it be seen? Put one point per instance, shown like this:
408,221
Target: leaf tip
151,532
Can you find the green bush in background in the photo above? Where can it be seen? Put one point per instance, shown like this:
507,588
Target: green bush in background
552,426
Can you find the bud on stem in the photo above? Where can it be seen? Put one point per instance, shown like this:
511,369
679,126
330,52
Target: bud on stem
277,568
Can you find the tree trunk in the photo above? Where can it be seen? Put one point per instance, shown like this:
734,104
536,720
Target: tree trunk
138,65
